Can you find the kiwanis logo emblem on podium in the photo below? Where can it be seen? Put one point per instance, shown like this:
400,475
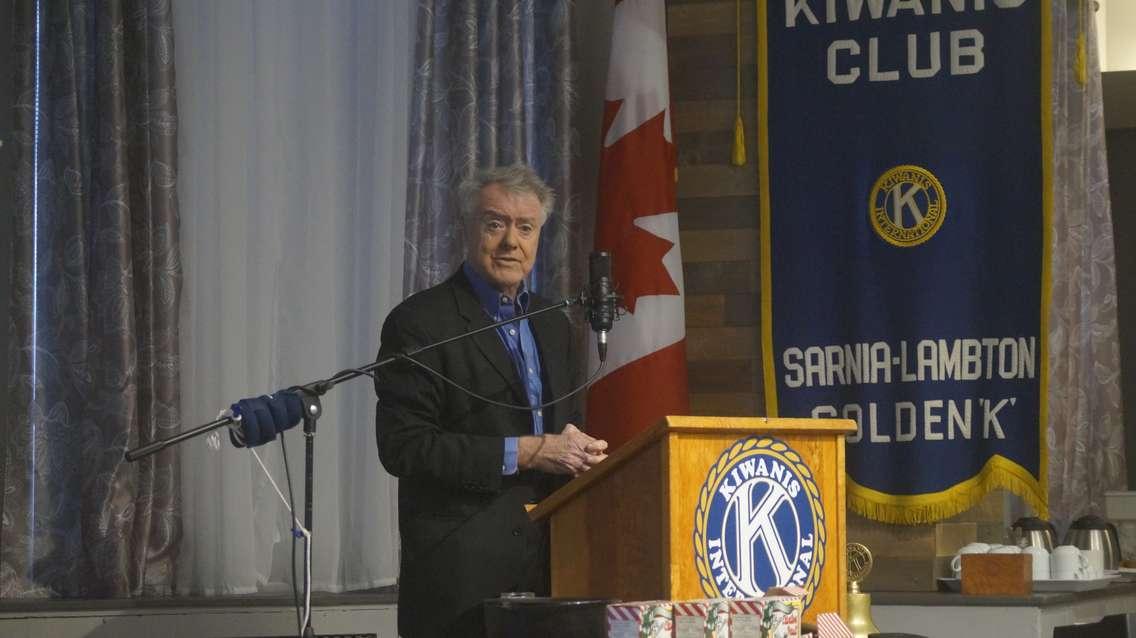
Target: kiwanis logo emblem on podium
759,522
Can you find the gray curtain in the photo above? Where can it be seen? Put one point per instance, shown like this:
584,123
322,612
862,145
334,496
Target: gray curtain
93,367
1086,431
493,85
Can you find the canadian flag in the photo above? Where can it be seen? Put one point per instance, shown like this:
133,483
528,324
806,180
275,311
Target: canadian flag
637,222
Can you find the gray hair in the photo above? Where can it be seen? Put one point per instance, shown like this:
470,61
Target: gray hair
517,179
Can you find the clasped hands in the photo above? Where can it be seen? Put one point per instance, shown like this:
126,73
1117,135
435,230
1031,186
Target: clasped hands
570,452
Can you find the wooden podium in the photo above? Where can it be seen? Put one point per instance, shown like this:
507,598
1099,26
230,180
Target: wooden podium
627,528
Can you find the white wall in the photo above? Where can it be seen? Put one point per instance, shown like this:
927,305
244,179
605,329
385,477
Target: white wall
1116,34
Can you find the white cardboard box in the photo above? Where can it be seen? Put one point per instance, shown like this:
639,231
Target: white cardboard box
644,619
691,618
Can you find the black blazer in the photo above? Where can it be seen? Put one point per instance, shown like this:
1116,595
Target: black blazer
465,533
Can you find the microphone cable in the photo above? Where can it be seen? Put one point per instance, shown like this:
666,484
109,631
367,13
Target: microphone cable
512,406
298,530
292,508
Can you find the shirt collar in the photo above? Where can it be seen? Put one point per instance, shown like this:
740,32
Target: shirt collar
492,299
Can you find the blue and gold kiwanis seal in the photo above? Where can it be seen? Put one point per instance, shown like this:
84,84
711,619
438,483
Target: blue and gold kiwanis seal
759,522
907,205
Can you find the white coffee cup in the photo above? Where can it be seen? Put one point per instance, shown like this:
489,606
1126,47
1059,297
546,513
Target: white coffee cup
1040,561
1068,563
1006,549
971,548
1095,559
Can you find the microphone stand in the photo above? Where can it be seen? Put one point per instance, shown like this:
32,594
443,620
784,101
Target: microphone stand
310,394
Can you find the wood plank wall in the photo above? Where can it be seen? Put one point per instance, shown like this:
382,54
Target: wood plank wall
717,204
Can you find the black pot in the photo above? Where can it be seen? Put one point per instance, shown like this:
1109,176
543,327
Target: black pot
546,617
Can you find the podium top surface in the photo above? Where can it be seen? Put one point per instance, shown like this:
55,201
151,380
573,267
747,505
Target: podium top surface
746,424
737,426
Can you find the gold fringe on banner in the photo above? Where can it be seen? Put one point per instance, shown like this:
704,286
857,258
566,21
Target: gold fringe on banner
896,509
738,156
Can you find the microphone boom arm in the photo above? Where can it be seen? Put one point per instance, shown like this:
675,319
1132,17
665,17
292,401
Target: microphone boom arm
320,387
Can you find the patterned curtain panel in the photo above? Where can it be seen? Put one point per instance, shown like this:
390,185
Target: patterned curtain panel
94,360
493,85
1086,431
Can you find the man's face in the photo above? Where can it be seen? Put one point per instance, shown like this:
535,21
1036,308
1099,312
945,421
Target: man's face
503,237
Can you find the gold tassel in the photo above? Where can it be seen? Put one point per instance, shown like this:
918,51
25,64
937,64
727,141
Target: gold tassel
1081,62
738,155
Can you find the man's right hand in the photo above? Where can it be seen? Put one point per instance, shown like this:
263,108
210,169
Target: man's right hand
570,452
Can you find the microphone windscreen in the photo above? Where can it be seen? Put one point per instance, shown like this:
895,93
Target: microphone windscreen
261,418
293,407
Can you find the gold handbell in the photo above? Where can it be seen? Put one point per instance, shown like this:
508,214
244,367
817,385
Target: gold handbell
860,612
859,604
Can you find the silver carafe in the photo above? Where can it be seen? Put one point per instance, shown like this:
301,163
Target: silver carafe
1093,532
1032,531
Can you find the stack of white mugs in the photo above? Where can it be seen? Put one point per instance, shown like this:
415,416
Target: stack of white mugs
1065,562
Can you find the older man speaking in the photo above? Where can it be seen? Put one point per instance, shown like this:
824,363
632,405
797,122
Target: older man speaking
467,467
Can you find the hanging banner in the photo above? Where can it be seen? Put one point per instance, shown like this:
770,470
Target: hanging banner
904,202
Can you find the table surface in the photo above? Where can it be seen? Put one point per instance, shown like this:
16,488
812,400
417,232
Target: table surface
1121,587
951,614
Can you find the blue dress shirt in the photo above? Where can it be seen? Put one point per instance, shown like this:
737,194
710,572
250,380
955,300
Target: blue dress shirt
519,342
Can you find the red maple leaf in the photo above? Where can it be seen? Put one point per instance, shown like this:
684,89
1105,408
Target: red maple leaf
637,179
637,266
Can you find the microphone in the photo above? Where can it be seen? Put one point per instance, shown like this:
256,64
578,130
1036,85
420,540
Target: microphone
258,420
601,302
